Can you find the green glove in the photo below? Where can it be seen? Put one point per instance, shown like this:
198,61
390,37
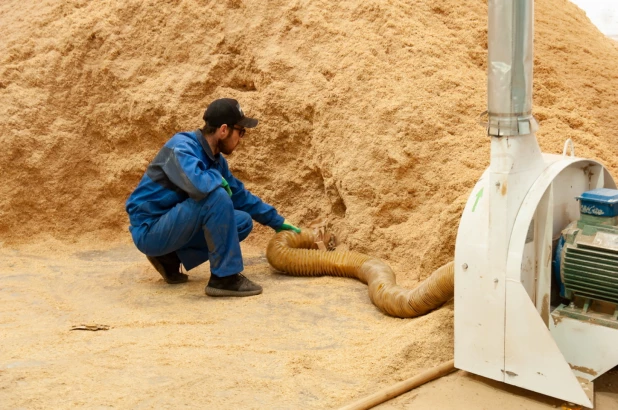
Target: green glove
288,227
226,186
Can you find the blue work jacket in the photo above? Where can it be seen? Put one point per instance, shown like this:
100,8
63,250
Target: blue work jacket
186,168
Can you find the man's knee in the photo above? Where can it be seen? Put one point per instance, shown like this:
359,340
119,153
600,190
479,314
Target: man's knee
216,204
217,198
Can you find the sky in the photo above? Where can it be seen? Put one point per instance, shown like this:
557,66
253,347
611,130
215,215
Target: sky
603,13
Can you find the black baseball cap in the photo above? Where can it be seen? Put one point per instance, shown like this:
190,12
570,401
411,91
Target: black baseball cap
227,111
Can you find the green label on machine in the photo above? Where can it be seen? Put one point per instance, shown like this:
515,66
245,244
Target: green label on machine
478,196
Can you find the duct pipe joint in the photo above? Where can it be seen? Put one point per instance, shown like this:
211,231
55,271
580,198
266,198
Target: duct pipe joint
510,124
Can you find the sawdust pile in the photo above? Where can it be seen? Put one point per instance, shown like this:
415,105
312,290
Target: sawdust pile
368,109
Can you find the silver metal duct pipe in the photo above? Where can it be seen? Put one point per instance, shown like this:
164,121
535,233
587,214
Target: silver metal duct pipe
510,61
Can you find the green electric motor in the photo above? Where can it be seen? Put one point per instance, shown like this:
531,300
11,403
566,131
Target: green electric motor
588,260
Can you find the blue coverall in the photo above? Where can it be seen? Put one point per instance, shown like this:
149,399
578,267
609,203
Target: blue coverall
179,205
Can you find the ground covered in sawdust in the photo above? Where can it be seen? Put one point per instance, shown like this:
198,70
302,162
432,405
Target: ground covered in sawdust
368,117
303,343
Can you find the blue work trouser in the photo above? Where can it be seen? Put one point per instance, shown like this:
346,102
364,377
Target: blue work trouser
210,229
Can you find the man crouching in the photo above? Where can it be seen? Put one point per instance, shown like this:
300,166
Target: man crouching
188,207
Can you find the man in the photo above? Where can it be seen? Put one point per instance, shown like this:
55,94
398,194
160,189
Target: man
188,207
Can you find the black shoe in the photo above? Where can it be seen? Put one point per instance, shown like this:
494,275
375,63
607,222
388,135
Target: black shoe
234,285
169,267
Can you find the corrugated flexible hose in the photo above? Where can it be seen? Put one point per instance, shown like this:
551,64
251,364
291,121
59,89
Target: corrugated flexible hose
297,255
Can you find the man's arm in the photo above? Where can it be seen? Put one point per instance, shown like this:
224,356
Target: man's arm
188,172
245,201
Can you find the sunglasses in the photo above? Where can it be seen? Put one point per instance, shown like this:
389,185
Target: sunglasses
241,131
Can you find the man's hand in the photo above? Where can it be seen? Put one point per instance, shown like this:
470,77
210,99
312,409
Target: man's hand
288,227
226,186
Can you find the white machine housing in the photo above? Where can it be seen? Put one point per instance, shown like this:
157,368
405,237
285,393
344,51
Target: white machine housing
504,327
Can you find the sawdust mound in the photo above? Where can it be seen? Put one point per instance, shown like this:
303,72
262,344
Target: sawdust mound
368,109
